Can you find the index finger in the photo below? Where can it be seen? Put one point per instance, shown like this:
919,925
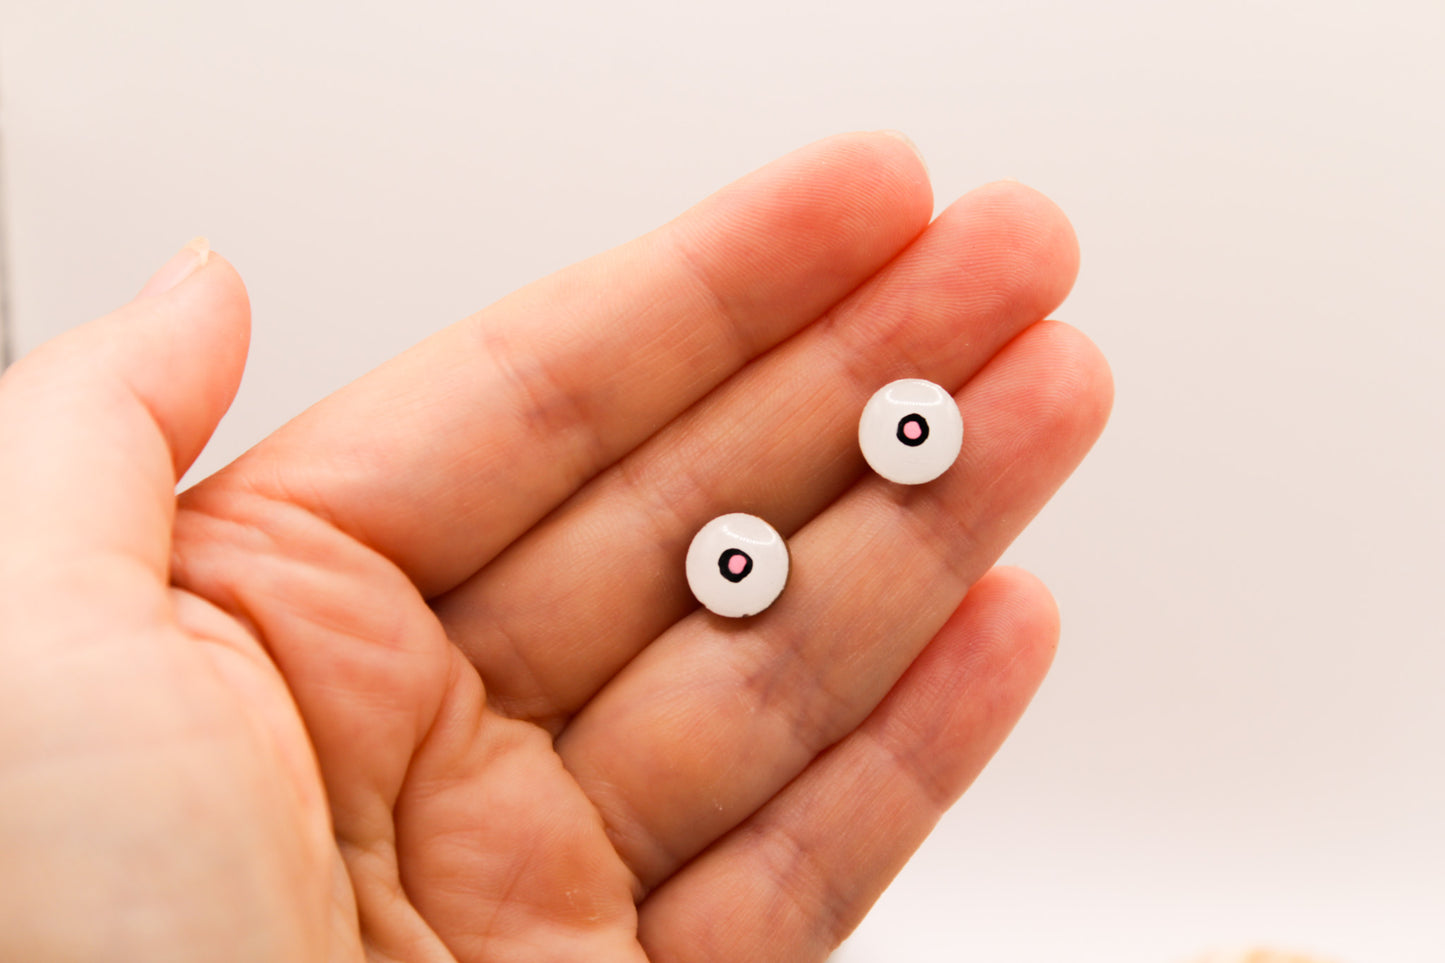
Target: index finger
440,458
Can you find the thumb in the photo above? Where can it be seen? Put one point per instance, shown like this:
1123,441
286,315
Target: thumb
97,425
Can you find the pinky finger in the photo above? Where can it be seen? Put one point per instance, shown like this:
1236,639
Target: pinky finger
795,879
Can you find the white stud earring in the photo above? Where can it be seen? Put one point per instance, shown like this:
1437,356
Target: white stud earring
737,565
911,431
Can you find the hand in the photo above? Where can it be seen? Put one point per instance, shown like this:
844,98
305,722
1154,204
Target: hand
420,678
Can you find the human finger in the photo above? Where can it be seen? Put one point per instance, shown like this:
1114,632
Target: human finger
110,744
97,425
440,458
795,879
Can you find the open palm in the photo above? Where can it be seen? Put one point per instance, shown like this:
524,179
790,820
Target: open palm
420,678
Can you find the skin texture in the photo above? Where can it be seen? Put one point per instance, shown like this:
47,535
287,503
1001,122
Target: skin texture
419,677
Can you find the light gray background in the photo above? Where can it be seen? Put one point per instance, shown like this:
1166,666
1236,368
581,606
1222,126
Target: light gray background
1242,738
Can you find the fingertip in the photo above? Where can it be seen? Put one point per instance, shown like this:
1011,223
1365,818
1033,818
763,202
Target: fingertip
1049,389
814,223
908,142
181,346
1008,616
96,425
220,294
1030,237
226,284
1080,379
1028,204
884,165
900,161
190,258
900,154
1034,610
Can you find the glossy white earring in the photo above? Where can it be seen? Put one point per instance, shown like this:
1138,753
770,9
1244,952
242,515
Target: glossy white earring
911,431
737,565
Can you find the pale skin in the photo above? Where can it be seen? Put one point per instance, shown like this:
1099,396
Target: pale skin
419,677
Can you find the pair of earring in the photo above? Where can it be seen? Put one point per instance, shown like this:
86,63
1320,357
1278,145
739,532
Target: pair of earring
910,433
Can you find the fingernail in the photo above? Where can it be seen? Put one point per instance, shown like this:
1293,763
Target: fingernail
899,135
187,261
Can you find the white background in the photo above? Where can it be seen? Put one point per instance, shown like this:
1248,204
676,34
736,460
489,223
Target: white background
1243,739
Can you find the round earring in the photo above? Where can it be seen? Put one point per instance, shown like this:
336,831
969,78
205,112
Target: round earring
737,565
911,431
